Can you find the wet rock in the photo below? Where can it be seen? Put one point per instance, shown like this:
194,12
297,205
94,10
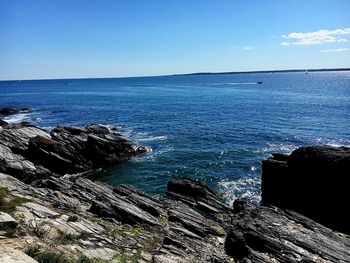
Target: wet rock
269,234
3,123
313,181
8,111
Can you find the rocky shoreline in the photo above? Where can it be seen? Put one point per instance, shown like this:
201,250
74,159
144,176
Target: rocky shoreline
48,217
30,153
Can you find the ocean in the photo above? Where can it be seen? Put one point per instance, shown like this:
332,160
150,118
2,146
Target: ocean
213,128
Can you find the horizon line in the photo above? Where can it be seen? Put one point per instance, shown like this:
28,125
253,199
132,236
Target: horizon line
191,74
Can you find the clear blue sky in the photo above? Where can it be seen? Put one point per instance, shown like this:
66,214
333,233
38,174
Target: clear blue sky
91,38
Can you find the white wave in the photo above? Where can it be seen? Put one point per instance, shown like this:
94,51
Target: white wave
336,144
153,138
231,83
17,118
241,188
279,147
333,143
152,155
241,83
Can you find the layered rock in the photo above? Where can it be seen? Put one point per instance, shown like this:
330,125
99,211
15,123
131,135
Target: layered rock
268,234
314,181
28,152
94,219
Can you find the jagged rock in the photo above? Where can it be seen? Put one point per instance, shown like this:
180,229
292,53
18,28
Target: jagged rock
196,228
7,221
3,123
17,136
175,230
268,234
19,167
40,211
30,153
314,181
195,194
8,111
193,221
147,203
124,204
56,156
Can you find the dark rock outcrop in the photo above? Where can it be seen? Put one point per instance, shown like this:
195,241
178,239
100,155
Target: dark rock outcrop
314,181
3,123
195,194
268,234
8,111
28,152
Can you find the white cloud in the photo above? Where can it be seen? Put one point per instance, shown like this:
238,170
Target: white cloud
285,44
317,37
247,48
335,50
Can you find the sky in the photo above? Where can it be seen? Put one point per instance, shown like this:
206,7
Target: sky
42,39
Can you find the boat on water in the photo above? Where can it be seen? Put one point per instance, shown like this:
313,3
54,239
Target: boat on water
259,82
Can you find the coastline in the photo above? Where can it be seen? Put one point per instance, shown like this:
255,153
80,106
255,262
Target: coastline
79,219
189,74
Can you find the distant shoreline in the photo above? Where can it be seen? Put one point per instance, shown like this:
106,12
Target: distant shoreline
195,74
262,71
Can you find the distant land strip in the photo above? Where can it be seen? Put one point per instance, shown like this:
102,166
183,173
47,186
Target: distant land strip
189,74
262,71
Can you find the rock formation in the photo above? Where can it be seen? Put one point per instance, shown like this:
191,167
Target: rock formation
79,220
88,218
28,152
9,110
314,181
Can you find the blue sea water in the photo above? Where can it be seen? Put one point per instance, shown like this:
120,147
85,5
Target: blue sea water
214,128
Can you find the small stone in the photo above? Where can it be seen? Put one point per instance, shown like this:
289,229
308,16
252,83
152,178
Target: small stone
7,221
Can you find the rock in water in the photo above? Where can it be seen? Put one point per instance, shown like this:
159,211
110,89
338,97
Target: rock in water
314,181
8,111
3,123
28,152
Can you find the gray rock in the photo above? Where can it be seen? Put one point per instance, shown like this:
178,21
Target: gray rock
195,194
7,221
11,255
30,153
268,234
20,167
